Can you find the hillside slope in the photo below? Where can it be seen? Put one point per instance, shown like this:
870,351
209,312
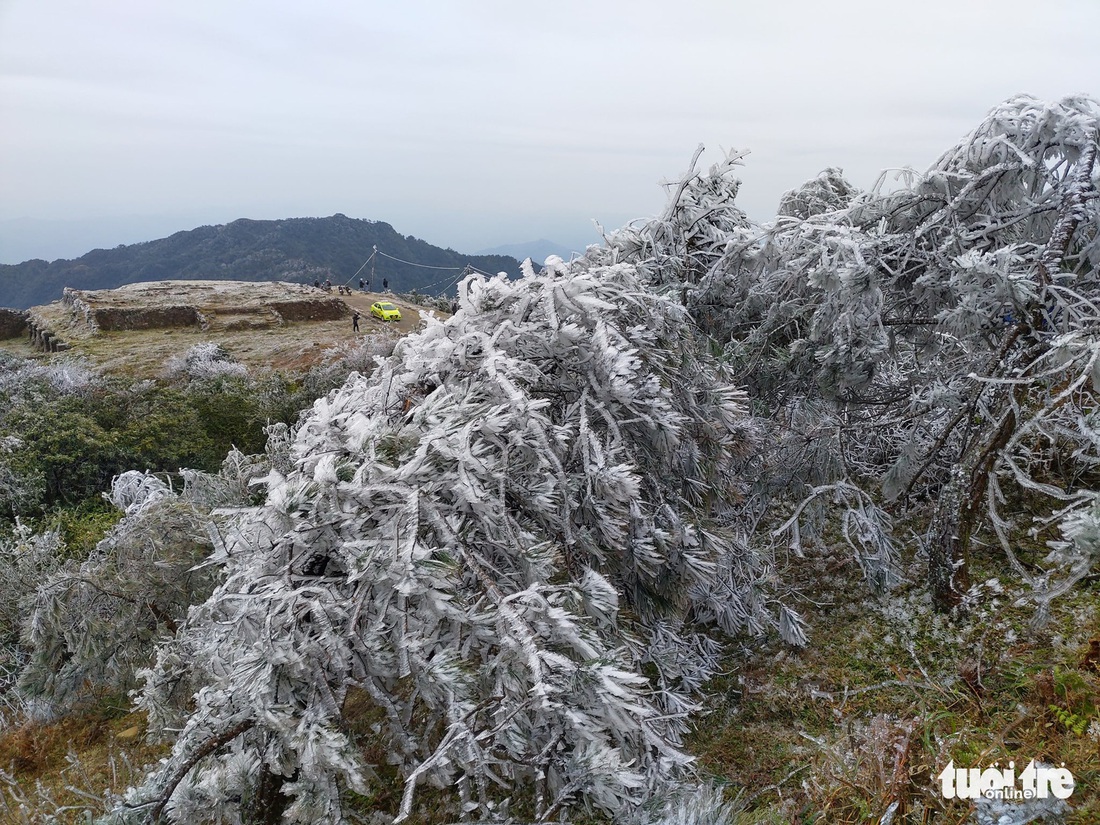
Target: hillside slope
299,250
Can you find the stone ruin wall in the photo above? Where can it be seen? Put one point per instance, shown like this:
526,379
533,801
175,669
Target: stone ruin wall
78,306
112,319
13,323
324,309
41,338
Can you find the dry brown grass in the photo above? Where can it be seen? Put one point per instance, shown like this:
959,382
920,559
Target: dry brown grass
68,765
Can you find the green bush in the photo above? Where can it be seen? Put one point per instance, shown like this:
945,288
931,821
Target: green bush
82,526
65,442
64,449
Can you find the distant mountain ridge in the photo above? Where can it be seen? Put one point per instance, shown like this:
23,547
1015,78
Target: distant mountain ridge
299,250
538,251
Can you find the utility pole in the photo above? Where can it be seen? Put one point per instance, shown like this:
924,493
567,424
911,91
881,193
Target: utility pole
372,257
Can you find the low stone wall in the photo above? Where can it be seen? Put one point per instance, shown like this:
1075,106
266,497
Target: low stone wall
41,338
78,306
13,323
119,318
260,318
322,309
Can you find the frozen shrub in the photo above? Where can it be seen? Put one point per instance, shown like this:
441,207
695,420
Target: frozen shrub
90,625
26,559
20,488
132,491
205,361
456,538
65,377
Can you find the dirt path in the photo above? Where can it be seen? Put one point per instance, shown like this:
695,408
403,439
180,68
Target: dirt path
410,314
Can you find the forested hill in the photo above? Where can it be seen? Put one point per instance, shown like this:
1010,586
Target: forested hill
294,249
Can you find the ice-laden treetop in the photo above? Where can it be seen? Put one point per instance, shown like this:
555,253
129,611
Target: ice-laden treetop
936,342
488,538
940,340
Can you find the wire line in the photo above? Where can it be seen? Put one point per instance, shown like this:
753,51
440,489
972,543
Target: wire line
413,263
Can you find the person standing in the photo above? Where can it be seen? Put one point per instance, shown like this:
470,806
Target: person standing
355,321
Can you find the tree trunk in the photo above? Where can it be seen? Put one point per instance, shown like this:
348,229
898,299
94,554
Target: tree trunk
957,513
948,577
270,801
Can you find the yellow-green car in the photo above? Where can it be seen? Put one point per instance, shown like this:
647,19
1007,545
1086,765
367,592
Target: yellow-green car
385,310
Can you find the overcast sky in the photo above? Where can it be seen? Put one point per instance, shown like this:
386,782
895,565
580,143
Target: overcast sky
473,123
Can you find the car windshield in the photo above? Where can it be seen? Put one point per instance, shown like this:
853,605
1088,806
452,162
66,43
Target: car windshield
388,307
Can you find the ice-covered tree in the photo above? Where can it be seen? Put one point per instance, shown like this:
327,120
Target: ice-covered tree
746,286
966,307
89,625
505,540
937,339
489,539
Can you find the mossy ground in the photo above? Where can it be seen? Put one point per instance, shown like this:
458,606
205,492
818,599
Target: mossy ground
888,692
